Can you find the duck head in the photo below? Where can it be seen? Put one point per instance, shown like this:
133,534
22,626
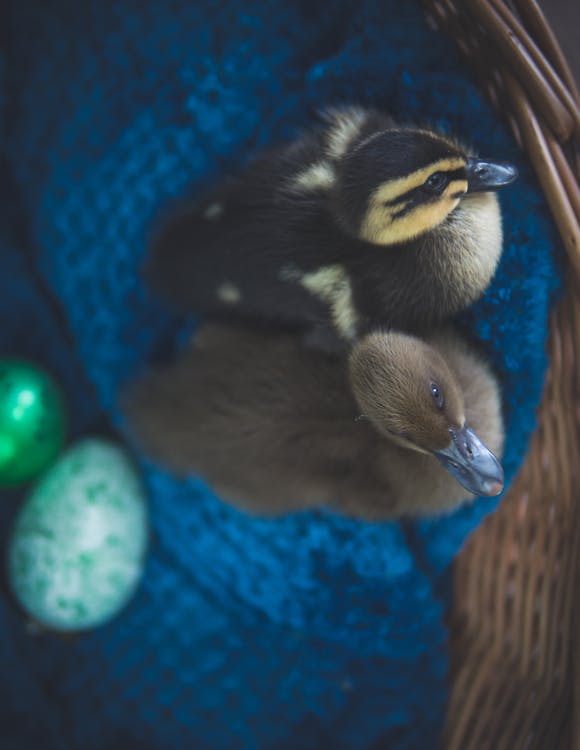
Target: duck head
398,184
405,388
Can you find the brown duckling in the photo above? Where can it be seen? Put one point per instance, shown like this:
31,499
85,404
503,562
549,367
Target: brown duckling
359,223
276,427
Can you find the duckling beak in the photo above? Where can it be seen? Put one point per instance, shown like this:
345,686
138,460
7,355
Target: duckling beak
472,463
489,175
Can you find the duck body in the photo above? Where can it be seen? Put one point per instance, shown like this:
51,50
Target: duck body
285,242
275,427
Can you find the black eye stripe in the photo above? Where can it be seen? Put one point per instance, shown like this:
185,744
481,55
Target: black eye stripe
409,195
437,181
455,174
409,206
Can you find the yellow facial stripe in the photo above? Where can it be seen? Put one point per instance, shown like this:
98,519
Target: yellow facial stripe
388,191
454,187
418,221
382,226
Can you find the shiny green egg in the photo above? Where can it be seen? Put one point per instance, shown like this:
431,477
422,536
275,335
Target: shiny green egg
77,548
32,421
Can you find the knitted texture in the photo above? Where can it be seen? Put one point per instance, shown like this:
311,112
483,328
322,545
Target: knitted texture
311,631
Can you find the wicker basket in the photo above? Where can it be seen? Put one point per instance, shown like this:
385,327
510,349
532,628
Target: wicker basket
514,628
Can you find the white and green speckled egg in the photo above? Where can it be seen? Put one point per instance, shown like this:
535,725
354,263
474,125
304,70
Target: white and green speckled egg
77,549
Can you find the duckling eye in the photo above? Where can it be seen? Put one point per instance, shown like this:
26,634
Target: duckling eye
436,183
437,395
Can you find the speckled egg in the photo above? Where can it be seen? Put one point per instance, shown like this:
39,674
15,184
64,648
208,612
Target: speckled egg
77,548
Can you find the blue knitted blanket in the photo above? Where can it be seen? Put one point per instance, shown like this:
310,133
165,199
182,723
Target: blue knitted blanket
302,633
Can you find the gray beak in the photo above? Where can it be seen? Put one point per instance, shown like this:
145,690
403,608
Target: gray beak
472,463
489,175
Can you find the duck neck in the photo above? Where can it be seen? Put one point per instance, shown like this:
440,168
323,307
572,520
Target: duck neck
441,272
466,247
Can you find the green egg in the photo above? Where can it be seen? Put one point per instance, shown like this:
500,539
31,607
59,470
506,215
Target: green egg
77,549
32,421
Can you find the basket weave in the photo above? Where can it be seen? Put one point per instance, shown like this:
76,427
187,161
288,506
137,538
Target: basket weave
514,628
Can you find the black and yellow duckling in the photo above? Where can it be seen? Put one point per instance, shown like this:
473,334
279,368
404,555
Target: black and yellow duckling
276,427
357,224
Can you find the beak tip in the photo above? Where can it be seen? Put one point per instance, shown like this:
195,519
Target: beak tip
493,488
472,464
513,174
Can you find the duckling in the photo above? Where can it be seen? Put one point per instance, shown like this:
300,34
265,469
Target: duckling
276,427
360,223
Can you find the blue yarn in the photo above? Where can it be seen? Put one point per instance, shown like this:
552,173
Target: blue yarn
307,632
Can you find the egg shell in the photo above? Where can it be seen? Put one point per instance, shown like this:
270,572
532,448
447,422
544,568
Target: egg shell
32,421
77,548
